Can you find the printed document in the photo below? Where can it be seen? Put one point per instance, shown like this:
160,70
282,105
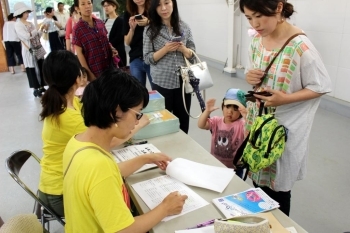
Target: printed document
131,152
153,191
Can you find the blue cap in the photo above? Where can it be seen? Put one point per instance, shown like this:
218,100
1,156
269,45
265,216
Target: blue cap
236,97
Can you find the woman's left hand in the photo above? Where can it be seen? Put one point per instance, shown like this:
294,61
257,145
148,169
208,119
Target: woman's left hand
142,22
277,98
182,48
160,159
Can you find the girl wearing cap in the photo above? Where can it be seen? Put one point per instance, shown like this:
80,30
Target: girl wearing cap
51,26
133,32
114,26
30,39
227,130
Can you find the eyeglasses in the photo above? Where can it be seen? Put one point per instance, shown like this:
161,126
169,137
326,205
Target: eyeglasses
138,114
106,5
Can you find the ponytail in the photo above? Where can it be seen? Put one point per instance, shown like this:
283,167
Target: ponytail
53,104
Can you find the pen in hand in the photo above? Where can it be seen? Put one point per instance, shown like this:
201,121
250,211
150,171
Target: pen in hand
203,224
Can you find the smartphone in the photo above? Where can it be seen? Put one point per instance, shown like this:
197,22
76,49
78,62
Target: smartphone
138,17
176,39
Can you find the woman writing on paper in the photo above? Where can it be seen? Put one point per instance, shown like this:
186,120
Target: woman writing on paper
95,197
166,56
297,80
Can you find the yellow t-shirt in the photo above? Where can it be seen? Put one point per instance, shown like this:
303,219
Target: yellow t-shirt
93,191
55,138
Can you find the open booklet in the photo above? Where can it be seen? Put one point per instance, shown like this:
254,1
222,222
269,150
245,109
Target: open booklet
134,151
251,201
200,175
184,170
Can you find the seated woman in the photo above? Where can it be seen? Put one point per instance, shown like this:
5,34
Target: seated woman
61,113
95,197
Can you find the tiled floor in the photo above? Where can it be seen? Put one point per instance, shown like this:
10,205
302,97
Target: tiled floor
319,203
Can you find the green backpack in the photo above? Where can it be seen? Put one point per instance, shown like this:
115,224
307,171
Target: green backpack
263,146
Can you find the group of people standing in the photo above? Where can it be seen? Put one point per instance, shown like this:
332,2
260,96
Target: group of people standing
79,178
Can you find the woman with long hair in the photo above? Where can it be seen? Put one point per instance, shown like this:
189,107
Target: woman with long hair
32,51
133,31
296,80
95,196
61,114
165,56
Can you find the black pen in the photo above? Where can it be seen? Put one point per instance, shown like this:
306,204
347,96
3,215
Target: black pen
140,143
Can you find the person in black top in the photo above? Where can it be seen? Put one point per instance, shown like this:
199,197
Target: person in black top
114,26
133,31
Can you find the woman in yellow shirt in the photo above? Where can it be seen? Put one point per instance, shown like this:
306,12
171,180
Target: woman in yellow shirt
95,198
61,114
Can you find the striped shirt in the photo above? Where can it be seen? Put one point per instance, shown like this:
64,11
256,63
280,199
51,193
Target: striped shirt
165,71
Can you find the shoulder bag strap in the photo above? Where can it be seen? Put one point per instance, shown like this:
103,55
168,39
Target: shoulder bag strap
81,149
274,58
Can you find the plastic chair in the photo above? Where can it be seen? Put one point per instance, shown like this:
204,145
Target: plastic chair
13,165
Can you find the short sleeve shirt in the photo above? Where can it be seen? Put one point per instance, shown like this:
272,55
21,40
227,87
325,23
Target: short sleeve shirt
95,45
225,139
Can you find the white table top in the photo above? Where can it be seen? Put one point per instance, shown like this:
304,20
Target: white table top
181,145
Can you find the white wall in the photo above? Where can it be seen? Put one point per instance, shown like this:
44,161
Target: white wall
208,22
326,23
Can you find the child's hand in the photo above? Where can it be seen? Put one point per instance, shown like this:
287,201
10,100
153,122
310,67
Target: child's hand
211,105
243,112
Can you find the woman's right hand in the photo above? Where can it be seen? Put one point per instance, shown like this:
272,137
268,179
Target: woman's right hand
254,76
173,203
172,46
132,23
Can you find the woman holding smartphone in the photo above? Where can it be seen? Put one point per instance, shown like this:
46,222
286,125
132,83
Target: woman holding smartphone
165,51
135,20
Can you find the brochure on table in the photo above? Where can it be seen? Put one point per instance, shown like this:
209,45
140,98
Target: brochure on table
131,152
251,201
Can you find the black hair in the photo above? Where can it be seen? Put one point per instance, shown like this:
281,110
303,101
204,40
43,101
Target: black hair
76,2
60,79
156,21
83,70
131,7
223,105
267,8
60,3
71,10
48,10
21,15
10,17
112,89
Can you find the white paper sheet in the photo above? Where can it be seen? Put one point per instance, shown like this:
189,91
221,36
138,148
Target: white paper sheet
200,175
153,191
209,229
131,152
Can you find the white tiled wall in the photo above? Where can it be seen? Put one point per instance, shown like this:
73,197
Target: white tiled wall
326,23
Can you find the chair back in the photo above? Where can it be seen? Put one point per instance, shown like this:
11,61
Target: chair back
13,164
